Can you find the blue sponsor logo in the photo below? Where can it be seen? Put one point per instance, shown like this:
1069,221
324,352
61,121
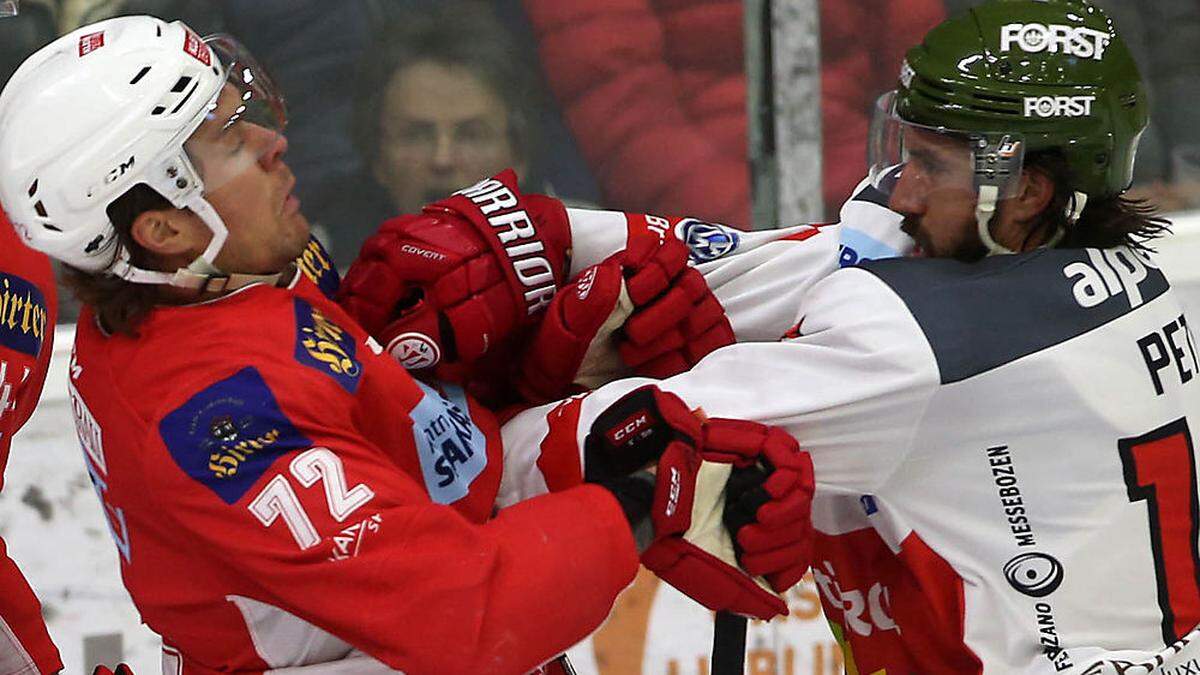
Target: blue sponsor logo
325,346
452,449
229,434
23,315
708,241
868,504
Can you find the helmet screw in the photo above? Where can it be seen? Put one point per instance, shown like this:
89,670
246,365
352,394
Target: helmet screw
172,172
181,183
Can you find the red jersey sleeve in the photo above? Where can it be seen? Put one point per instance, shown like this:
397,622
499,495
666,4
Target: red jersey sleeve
27,313
263,476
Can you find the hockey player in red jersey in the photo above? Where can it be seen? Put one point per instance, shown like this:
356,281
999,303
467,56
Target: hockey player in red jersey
1001,435
28,306
282,493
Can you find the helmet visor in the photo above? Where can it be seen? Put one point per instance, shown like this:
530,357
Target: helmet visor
243,126
941,160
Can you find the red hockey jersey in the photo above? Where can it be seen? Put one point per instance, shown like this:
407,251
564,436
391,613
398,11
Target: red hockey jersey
28,306
277,489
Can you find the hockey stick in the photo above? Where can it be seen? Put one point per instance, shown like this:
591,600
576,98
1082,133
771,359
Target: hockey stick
729,644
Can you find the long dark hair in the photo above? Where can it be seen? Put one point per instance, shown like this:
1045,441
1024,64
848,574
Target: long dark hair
1106,222
121,305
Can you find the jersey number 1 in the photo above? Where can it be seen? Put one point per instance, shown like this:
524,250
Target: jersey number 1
1160,469
278,499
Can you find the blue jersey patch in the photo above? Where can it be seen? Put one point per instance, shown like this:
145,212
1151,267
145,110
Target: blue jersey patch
229,434
317,265
858,247
23,315
325,346
708,241
452,449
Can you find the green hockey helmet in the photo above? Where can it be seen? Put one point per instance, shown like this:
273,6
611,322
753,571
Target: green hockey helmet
1016,77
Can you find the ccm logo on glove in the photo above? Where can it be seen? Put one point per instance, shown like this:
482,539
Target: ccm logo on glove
512,227
673,494
631,430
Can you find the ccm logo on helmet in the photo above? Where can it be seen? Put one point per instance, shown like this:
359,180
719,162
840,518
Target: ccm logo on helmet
1059,106
519,238
118,171
1034,38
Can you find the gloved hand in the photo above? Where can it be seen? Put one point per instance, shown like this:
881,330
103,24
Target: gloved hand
680,514
769,498
449,286
121,670
641,311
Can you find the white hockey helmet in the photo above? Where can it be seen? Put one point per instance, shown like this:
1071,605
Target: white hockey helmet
110,106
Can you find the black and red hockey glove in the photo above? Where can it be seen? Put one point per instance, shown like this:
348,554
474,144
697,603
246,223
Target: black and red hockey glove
688,513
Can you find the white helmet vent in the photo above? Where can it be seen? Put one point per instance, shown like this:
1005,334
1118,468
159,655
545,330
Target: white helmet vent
173,100
141,73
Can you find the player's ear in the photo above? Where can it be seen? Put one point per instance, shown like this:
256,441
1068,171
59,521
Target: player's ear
170,232
1034,195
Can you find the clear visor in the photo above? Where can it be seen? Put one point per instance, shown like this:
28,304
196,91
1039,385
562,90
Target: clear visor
243,127
939,160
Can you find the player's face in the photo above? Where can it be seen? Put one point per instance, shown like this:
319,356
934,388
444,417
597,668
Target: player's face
250,186
442,129
936,195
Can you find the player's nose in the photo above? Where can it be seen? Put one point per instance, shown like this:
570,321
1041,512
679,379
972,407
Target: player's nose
907,196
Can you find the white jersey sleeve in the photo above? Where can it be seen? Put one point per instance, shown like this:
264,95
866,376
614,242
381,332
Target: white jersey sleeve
851,386
759,277
870,230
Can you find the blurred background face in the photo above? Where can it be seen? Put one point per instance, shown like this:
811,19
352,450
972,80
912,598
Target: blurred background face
442,129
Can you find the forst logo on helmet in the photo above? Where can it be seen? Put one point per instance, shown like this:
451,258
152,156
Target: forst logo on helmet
1035,38
1059,106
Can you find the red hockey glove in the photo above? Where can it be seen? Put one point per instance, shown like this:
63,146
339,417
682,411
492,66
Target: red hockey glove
690,547
642,311
769,498
444,288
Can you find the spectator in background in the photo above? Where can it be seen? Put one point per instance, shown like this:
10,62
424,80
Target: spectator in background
655,91
440,101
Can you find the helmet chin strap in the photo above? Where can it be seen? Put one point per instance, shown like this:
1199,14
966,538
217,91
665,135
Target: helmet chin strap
201,275
985,210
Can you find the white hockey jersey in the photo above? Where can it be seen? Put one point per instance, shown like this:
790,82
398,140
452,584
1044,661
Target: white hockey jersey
1006,480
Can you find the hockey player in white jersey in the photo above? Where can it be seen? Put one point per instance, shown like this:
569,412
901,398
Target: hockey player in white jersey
1006,475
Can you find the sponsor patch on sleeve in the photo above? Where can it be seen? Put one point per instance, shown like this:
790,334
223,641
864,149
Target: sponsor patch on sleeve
229,434
23,315
452,449
327,347
707,241
317,265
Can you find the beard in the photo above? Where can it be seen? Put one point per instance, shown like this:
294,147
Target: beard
965,247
